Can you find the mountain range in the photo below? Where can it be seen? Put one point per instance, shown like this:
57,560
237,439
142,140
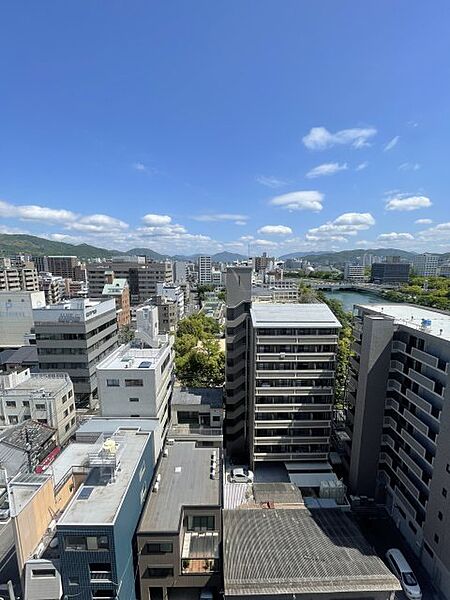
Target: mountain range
11,244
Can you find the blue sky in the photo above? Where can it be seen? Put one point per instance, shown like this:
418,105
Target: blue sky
190,126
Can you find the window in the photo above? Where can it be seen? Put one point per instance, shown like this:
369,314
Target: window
100,570
66,412
72,407
134,383
158,548
103,594
158,572
134,399
81,542
436,538
11,403
112,383
43,573
70,393
40,406
201,523
64,398
216,418
440,516
447,468
444,492
26,403
67,427
428,549
412,527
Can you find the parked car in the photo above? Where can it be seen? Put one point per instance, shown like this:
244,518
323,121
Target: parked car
241,475
400,567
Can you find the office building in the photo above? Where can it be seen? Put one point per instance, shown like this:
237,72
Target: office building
167,314
43,397
398,423
16,317
390,272
281,553
180,271
354,273
137,382
426,265
63,266
263,263
444,269
74,337
179,534
174,293
118,290
204,270
41,264
21,278
279,376
142,277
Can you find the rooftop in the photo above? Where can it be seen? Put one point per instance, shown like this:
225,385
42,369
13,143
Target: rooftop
115,288
22,356
105,494
292,315
436,323
189,395
311,552
37,434
126,357
43,382
74,310
185,481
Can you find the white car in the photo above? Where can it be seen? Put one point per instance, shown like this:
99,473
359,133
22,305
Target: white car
400,567
240,475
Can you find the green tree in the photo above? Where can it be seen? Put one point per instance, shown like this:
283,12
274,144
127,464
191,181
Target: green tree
126,334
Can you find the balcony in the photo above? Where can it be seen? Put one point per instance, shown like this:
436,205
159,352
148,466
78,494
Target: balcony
200,553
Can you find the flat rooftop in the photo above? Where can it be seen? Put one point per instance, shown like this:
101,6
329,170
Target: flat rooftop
39,381
75,310
413,316
289,551
96,426
293,315
185,481
189,395
99,499
127,357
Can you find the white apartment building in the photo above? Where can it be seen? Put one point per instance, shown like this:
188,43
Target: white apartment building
354,272
174,293
16,317
180,271
47,398
217,276
426,265
24,277
54,287
204,270
137,382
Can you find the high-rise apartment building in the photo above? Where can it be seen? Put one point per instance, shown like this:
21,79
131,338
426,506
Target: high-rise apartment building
21,278
74,337
279,376
180,271
63,266
204,270
53,287
398,422
426,265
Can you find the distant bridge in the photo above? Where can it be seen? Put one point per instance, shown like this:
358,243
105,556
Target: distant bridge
330,286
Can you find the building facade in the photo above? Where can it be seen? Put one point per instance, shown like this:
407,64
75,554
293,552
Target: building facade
204,270
118,290
16,317
63,266
47,398
21,278
74,337
398,423
390,272
354,272
426,265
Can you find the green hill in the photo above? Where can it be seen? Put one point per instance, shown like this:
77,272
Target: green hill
30,244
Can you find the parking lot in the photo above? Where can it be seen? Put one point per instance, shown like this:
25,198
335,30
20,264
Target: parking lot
383,534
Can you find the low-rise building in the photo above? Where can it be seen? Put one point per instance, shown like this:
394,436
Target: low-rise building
16,317
174,293
354,273
47,398
137,382
179,534
197,414
25,446
167,314
281,553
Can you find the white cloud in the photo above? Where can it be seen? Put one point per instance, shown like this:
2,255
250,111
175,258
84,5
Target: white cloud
392,143
210,218
423,221
152,219
270,181
275,230
247,238
139,166
362,166
408,203
98,223
326,169
395,237
267,243
301,200
407,166
319,138
344,226
32,212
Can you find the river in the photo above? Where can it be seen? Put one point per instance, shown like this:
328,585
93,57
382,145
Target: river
349,298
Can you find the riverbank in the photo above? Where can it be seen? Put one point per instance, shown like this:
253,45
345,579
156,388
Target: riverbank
349,298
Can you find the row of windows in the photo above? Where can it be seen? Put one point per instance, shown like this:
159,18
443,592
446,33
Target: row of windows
291,448
293,348
83,543
293,399
293,383
128,382
295,331
293,366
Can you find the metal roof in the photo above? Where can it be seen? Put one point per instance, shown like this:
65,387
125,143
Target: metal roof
287,551
189,395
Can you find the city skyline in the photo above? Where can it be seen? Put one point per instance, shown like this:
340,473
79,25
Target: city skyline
200,131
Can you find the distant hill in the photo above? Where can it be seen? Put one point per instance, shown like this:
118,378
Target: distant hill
227,257
299,255
144,252
343,256
37,246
